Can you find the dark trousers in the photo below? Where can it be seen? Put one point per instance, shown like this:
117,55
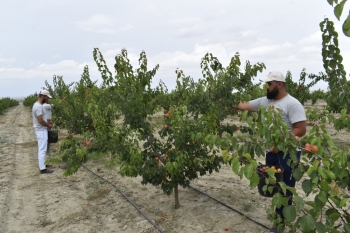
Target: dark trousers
48,144
288,179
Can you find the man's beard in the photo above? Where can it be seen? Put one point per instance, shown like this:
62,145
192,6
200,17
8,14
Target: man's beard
272,94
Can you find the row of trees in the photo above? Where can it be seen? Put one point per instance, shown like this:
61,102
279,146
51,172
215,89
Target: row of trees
116,121
6,103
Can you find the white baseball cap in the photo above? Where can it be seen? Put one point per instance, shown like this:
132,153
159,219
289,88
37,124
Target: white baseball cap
45,92
274,76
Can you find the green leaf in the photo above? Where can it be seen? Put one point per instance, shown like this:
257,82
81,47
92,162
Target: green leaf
343,202
330,174
225,156
347,227
322,196
320,227
310,171
299,202
244,114
325,186
330,2
338,9
335,216
307,223
254,180
235,165
248,170
289,213
247,155
322,173
346,26
283,186
307,186
297,173
277,200
250,120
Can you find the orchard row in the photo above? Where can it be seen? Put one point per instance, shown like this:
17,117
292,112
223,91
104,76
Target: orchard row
116,120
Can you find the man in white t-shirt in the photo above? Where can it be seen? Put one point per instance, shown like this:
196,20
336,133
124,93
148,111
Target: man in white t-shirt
293,114
40,128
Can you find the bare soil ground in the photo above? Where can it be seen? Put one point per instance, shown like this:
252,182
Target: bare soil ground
34,202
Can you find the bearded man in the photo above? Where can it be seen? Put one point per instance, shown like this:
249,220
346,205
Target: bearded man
293,114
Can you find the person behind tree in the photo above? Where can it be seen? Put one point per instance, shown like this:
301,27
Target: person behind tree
293,114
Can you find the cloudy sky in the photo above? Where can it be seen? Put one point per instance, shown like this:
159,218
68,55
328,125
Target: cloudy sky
41,38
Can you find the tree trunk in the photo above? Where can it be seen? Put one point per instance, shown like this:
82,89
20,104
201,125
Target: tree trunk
177,202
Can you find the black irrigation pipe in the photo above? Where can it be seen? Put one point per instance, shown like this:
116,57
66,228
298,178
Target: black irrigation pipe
155,225
224,204
126,197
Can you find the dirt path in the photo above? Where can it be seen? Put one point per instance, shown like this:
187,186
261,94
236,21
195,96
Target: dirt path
23,202
34,202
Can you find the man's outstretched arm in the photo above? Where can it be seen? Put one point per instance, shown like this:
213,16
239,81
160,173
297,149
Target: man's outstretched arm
244,106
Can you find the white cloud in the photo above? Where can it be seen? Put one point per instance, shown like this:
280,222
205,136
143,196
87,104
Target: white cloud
218,14
146,8
7,60
311,49
98,23
189,27
65,67
249,33
313,39
128,27
272,50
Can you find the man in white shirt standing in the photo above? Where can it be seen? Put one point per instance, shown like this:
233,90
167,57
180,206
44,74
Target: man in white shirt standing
40,128
293,114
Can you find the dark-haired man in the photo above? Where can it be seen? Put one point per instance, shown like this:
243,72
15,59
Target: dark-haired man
293,114
40,128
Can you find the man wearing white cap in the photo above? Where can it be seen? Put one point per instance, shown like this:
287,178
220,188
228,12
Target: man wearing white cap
293,114
40,127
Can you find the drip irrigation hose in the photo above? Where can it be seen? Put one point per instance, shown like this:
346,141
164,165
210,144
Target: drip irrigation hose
132,203
155,225
224,204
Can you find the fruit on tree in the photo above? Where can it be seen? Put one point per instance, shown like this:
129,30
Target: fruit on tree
314,148
87,143
297,138
226,228
308,147
167,115
166,126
